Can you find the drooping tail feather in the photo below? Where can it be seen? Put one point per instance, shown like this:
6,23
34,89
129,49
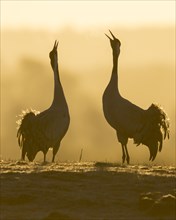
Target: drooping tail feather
154,130
24,125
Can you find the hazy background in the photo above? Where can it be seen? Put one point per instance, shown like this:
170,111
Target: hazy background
146,30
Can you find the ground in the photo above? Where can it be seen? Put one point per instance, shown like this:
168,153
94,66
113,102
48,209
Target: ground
86,191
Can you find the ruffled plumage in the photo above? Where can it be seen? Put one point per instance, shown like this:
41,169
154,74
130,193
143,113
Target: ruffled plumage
154,130
24,125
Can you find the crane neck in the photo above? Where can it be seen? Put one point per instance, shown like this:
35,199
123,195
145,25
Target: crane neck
59,97
114,75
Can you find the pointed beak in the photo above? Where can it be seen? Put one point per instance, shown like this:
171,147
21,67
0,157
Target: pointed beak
55,44
112,35
108,37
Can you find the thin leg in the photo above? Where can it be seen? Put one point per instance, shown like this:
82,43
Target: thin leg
127,155
123,154
123,139
55,150
44,157
24,151
23,154
45,151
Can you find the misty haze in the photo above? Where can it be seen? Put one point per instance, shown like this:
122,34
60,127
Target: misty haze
146,75
94,185
91,177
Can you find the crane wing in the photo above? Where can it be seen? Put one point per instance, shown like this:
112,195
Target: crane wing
154,131
127,116
53,125
148,127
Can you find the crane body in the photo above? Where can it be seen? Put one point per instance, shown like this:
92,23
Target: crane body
148,127
41,131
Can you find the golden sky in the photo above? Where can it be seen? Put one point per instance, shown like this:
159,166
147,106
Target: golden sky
54,14
145,28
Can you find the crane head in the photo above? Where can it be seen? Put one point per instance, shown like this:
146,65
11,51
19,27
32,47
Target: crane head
115,43
53,54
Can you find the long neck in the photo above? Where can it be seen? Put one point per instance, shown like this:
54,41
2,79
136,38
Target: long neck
114,76
59,97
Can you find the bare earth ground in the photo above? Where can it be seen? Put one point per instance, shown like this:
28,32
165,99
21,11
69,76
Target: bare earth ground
86,191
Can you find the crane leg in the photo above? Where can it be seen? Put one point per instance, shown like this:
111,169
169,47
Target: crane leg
23,150
123,139
44,157
55,150
23,154
123,154
127,155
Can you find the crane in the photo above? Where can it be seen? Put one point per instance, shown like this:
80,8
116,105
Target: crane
149,127
41,131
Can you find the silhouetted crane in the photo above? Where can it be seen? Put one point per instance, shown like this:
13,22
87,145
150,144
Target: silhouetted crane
148,127
41,131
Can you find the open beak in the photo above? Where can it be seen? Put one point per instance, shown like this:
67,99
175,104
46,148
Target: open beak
111,35
55,45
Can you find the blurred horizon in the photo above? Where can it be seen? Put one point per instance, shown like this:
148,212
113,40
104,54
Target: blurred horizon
85,14
146,71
